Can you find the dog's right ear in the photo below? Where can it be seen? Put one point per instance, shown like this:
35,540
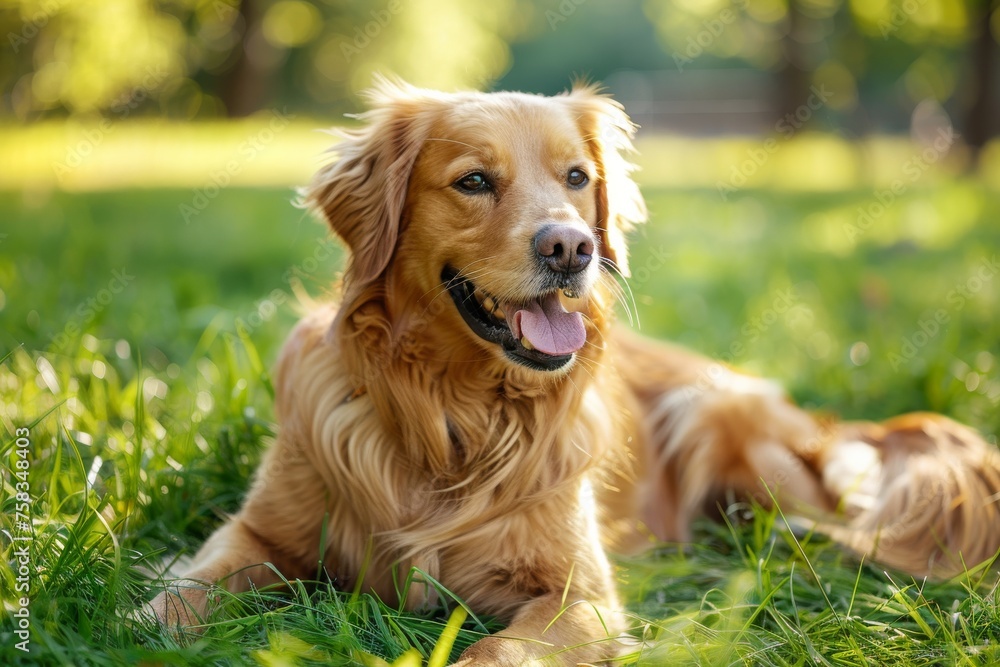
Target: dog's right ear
362,194
608,133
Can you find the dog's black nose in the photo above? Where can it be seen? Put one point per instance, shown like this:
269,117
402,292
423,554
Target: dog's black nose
564,248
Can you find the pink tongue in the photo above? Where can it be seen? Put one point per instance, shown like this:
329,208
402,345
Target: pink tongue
548,327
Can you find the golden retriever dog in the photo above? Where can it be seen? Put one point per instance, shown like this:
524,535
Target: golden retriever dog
471,409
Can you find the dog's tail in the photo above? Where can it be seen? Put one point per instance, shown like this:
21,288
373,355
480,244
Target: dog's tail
919,493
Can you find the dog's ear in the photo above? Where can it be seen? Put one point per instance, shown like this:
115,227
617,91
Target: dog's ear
608,132
363,192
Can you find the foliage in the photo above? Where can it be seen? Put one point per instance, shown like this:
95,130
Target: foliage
204,58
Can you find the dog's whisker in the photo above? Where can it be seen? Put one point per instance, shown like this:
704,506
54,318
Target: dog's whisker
619,297
444,286
463,274
585,369
635,308
619,291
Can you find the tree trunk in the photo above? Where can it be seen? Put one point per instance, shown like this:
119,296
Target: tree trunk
794,78
244,87
981,121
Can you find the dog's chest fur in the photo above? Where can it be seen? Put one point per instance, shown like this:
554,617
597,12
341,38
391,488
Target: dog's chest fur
437,487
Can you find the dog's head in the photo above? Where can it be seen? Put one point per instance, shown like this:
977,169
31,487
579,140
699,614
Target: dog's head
516,205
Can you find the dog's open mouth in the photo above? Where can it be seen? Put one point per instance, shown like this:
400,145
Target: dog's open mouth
539,334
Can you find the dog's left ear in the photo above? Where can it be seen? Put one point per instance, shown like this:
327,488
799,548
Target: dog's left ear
362,194
608,132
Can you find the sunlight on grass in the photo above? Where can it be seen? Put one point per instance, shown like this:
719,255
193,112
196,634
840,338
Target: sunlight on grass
273,148
269,148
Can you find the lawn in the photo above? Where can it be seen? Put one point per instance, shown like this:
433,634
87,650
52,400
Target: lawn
136,352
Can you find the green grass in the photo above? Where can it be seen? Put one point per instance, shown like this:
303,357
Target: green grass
148,413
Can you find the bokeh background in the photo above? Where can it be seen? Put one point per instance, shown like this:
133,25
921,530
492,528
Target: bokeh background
823,178
844,147
707,66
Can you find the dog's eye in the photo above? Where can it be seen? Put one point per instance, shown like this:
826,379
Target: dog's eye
576,178
472,183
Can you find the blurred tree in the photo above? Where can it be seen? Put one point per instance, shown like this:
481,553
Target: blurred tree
188,58
244,86
444,44
983,119
201,58
792,40
892,54
796,65
591,39
80,57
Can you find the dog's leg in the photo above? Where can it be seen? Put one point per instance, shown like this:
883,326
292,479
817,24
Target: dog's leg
545,633
280,524
743,440
234,556
706,433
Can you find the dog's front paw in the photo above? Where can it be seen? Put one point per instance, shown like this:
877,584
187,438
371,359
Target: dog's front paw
181,611
501,652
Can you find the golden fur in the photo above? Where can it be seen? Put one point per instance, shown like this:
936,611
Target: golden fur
409,441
